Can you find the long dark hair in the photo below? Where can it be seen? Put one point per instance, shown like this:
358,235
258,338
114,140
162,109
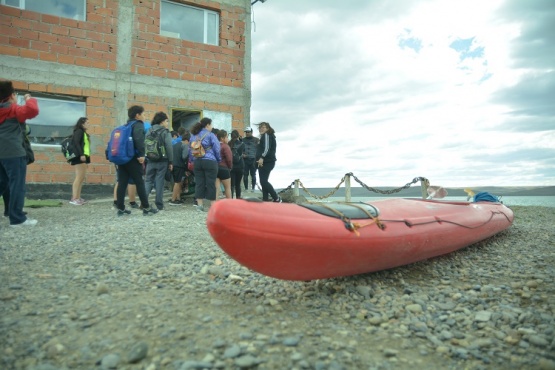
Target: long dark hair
80,125
200,125
270,131
234,138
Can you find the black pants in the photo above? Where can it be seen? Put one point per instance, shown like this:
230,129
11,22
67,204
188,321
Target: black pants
134,170
205,171
264,174
250,168
236,176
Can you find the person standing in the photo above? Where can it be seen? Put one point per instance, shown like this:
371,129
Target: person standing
156,168
205,168
82,145
134,168
224,167
266,160
249,158
13,158
237,149
180,159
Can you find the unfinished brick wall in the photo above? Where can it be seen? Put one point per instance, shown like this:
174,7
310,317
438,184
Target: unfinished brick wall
161,56
93,44
90,43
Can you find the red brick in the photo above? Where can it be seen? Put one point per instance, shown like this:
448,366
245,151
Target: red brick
10,11
20,43
7,50
73,32
52,19
159,73
59,30
30,54
48,38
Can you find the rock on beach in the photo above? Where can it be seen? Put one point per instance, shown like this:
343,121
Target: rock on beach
85,289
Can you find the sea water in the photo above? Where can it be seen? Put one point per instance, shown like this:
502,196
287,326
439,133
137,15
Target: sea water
545,201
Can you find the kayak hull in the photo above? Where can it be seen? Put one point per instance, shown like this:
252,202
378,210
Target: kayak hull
291,242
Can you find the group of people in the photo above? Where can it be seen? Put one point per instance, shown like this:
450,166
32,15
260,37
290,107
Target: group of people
226,161
224,164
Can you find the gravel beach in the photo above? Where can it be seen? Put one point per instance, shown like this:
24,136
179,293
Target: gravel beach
85,289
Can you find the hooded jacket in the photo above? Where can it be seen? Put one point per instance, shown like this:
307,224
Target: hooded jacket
12,122
167,138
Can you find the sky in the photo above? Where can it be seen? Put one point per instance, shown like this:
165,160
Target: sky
459,92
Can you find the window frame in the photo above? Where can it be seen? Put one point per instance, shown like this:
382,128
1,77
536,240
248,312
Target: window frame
206,13
22,7
39,141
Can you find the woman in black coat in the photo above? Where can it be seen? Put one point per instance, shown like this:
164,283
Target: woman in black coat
266,160
237,149
82,147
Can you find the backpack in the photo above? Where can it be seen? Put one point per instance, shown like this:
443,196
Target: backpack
236,156
197,149
121,148
155,148
68,149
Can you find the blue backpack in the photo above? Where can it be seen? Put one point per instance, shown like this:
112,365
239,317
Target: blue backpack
121,148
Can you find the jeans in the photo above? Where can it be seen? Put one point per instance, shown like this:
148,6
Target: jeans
206,171
250,168
264,174
12,177
132,169
155,177
236,176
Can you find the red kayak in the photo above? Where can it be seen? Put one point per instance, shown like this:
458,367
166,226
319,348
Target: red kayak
325,240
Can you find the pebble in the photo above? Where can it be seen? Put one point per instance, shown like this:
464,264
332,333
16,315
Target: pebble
137,353
109,296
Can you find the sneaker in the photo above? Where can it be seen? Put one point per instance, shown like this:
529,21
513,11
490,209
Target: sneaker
149,211
83,200
124,212
76,202
200,208
27,222
278,200
175,203
133,205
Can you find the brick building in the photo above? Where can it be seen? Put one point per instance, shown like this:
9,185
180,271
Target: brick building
95,58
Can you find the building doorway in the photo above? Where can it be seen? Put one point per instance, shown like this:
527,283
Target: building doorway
184,118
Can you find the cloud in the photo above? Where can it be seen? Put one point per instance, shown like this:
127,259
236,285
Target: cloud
391,90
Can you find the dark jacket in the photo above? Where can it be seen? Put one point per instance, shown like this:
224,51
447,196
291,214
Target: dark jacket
267,148
251,143
12,121
138,137
237,150
180,154
167,136
78,139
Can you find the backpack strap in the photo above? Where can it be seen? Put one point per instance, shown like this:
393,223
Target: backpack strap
202,138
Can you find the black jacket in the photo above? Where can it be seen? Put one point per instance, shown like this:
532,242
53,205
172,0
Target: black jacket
267,148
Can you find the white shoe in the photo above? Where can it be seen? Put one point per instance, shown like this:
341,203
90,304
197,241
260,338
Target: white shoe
27,222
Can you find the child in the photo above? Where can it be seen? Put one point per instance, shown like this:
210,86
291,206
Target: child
180,159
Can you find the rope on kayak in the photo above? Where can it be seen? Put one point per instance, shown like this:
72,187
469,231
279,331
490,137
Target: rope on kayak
354,226
291,186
